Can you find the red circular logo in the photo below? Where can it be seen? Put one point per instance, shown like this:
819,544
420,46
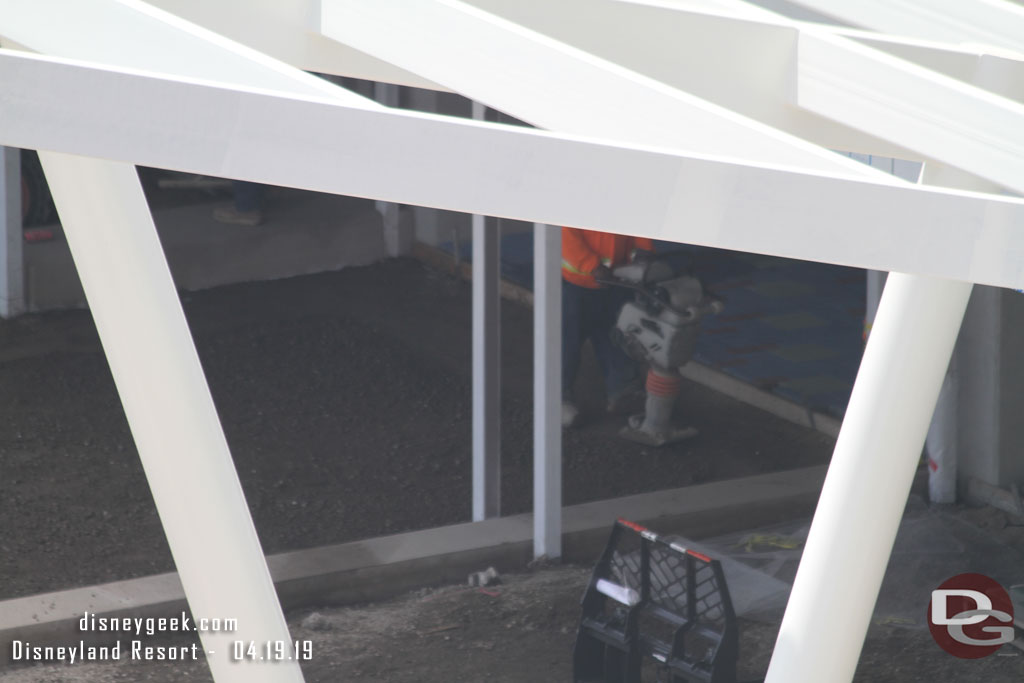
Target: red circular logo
971,616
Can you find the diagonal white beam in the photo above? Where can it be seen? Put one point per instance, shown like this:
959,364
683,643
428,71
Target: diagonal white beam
1001,74
137,35
937,116
960,54
990,22
507,171
742,63
869,477
288,31
168,406
559,87
907,111
878,450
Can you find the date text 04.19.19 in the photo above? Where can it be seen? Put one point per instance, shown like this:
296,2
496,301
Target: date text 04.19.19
271,650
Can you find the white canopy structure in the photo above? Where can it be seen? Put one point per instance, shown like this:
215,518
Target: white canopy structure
708,123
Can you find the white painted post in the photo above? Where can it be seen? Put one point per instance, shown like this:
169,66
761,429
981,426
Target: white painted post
172,417
426,223
486,364
12,277
866,489
397,241
547,391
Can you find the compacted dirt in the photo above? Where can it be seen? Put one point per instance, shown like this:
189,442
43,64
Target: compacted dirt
346,401
520,631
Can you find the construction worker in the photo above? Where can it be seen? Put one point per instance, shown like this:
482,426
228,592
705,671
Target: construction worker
589,311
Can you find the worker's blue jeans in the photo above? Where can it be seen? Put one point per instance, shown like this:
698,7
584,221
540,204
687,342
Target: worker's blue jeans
591,314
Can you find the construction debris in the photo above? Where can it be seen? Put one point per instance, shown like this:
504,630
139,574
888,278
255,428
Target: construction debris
488,577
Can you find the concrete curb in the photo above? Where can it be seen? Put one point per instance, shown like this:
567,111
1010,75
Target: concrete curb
693,371
382,567
746,393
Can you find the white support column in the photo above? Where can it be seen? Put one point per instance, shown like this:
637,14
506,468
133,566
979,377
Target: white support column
866,489
169,409
486,364
397,241
12,276
547,391
426,221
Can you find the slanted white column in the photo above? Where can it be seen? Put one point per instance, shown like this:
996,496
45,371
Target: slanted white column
547,391
397,241
866,489
12,276
486,364
169,409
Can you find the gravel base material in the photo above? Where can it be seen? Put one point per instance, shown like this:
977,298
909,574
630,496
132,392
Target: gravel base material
346,402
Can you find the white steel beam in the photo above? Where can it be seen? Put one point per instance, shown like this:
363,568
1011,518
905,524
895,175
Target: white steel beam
937,116
507,171
997,23
754,72
486,363
136,35
868,480
558,87
288,30
888,420
172,417
1001,74
967,61
742,63
12,273
547,391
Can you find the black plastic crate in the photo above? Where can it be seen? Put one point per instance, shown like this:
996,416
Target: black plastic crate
655,611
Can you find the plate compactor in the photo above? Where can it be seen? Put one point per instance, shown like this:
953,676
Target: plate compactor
655,610
659,327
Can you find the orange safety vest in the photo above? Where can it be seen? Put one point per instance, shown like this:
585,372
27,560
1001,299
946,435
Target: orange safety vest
584,250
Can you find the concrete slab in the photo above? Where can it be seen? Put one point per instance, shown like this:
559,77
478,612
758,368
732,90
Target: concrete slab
382,567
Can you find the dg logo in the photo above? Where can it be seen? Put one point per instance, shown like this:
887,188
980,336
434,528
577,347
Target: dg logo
971,616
